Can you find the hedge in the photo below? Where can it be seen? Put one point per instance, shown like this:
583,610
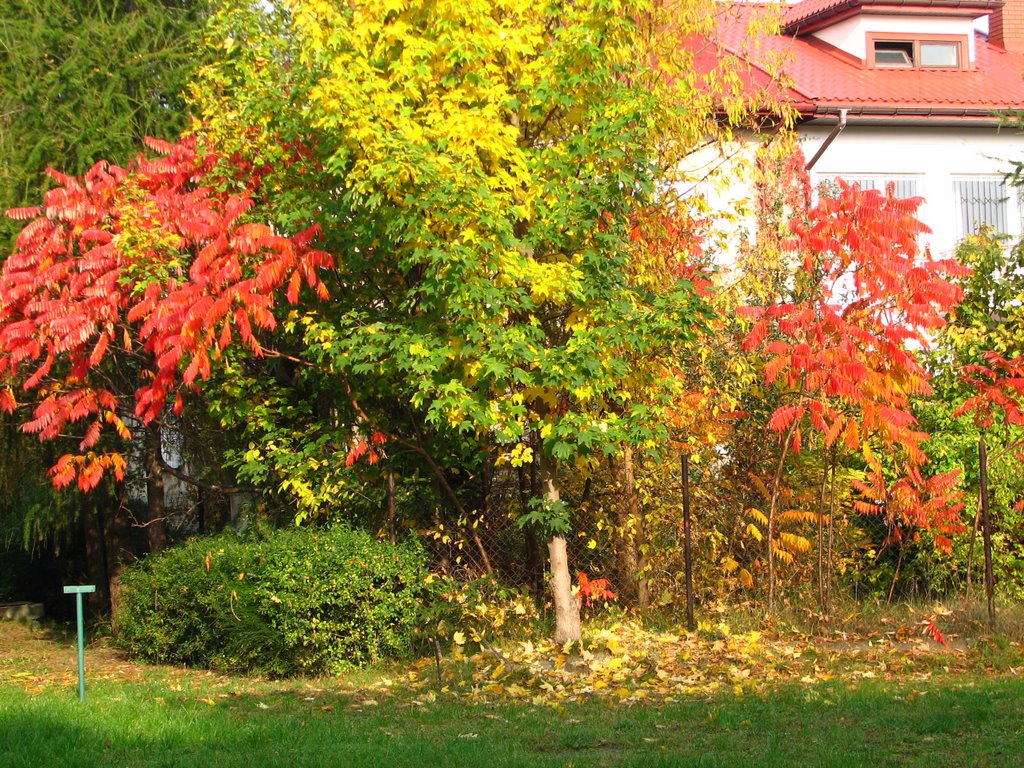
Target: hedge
303,601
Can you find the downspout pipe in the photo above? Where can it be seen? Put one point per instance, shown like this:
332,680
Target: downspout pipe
828,140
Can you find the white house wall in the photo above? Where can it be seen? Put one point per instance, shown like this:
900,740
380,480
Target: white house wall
720,174
851,35
934,158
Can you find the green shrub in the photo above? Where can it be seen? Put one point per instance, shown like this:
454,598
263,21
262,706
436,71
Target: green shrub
301,601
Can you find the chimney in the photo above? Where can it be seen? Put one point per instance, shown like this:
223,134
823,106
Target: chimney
1006,26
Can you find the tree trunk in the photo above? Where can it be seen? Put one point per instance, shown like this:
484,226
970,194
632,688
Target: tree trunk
896,574
629,534
119,551
821,538
391,510
829,566
532,559
986,527
94,526
156,526
691,625
567,605
772,508
484,557
483,516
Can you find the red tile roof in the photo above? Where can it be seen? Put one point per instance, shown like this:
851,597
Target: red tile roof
809,11
822,79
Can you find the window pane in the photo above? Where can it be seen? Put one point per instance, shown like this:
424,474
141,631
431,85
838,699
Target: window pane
906,188
940,55
982,201
890,53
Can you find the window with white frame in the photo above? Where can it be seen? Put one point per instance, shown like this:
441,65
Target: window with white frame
982,201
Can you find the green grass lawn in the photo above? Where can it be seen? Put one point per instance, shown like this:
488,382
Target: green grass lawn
139,715
878,724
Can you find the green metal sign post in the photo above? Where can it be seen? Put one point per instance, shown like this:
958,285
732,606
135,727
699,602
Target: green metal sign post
78,591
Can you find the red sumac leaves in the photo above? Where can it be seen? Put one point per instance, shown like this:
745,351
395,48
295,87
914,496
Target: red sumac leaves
155,258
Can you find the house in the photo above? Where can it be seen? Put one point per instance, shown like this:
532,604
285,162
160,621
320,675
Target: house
903,91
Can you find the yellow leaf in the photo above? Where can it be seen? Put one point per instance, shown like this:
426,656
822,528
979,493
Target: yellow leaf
791,542
798,516
459,638
783,555
521,454
757,515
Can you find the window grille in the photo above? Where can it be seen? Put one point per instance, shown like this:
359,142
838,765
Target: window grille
905,186
981,201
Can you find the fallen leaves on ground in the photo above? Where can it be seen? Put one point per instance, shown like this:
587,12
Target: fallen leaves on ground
623,663
627,663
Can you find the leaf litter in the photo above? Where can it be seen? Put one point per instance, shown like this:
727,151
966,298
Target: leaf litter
624,663
627,663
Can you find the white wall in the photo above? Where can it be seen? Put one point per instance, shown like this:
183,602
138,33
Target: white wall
851,35
934,157
720,173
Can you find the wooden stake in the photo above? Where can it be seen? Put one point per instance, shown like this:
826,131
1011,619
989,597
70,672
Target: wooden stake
687,552
986,526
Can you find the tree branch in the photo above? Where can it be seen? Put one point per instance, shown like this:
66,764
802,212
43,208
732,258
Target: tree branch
449,492
211,487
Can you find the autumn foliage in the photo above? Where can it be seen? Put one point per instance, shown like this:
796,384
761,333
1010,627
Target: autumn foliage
997,385
841,351
152,265
594,590
846,350
162,266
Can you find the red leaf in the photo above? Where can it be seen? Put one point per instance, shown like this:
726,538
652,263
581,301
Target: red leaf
24,214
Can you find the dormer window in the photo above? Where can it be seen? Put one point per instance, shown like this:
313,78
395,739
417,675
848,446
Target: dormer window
894,53
926,52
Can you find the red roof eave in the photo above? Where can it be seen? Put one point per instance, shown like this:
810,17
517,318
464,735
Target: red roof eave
801,17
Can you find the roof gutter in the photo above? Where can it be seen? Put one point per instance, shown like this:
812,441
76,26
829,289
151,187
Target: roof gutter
828,140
